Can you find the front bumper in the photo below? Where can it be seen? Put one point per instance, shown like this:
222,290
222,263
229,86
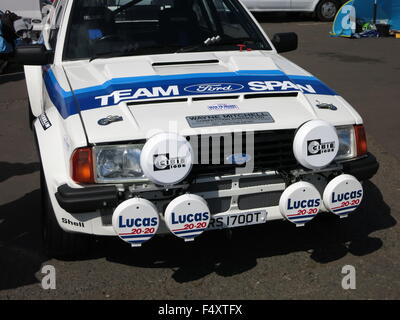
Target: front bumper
84,200
90,199
363,169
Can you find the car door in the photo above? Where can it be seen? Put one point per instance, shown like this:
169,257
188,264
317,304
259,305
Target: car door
261,5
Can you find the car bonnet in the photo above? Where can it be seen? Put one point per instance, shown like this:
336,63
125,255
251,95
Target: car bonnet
141,95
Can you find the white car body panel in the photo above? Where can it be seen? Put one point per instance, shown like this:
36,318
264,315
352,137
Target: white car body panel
34,84
72,85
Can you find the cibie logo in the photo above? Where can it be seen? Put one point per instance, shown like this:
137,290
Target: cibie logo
214,87
315,147
238,158
163,162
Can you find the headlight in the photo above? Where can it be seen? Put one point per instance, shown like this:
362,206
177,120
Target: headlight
347,143
117,164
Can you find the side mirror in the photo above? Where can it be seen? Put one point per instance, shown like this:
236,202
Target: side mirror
33,55
285,42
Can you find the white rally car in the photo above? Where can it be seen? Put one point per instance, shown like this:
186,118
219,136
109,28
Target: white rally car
180,116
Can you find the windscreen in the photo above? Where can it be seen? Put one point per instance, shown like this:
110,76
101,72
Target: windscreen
108,28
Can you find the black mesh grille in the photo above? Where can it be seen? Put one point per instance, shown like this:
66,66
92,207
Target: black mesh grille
272,151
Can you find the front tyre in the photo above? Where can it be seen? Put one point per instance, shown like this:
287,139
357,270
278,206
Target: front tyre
327,10
58,243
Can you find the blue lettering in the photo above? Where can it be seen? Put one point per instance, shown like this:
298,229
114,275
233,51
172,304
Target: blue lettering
129,223
303,204
289,206
174,221
346,196
138,222
146,222
120,222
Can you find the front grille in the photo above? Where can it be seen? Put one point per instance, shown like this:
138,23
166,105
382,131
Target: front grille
271,150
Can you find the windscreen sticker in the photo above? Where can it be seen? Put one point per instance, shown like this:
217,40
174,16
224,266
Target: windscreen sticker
223,106
118,90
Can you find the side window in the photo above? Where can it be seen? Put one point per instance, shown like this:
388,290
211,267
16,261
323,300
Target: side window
56,24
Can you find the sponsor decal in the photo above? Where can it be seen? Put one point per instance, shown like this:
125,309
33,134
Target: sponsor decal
188,225
346,196
303,204
215,120
323,105
218,107
116,90
163,162
72,223
134,94
315,147
166,158
187,216
109,119
315,144
238,158
343,195
135,221
280,86
44,121
214,88
300,202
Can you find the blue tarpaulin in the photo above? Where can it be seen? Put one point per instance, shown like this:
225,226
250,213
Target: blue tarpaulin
5,47
395,16
387,12
342,25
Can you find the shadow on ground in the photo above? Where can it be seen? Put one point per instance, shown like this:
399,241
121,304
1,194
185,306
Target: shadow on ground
12,72
20,247
326,238
8,170
11,77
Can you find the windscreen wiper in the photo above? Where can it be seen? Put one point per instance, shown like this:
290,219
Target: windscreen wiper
132,50
107,55
213,43
101,55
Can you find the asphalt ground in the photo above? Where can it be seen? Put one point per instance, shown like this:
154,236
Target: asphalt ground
273,261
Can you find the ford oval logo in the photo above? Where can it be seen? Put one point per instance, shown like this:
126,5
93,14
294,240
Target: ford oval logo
238,158
214,88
